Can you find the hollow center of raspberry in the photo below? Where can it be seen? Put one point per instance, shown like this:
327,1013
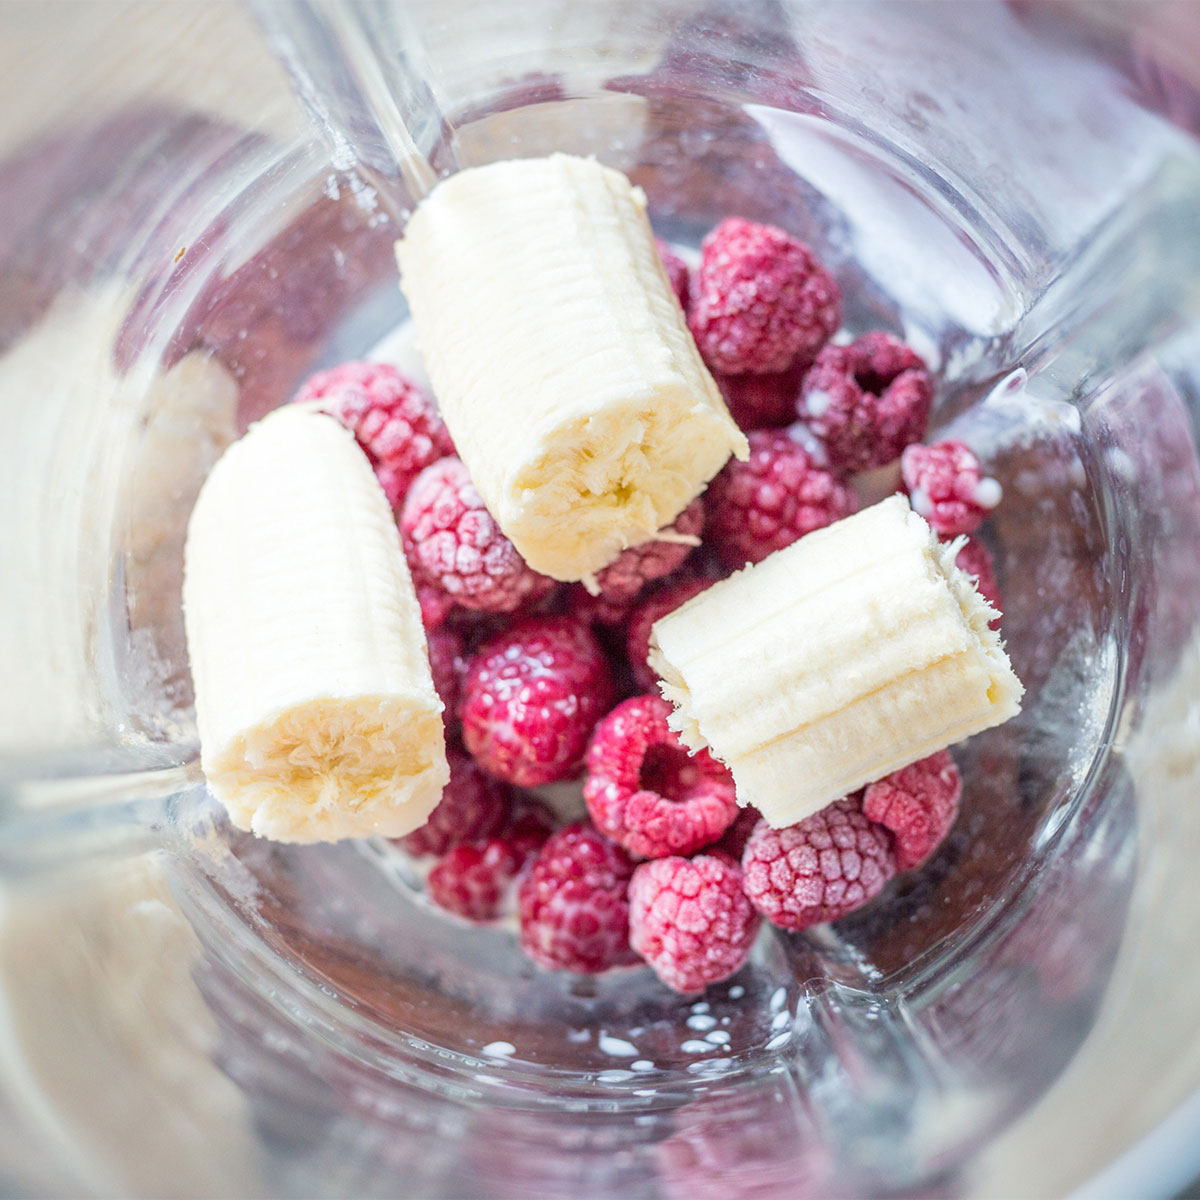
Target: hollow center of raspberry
872,381
668,771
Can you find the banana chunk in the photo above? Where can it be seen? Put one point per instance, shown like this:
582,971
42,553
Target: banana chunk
561,359
845,656
317,714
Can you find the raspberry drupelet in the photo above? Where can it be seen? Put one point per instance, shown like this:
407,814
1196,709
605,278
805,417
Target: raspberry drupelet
771,500
665,598
947,487
573,904
917,805
819,869
637,566
677,272
976,559
396,424
644,790
532,696
454,543
761,302
473,806
690,919
867,401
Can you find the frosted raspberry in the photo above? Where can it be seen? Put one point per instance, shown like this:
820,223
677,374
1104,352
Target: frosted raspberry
436,605
976,559
605,611
762,401
473,806
446,665
775,497
761,302
690,920
453,542
665,598
473,879
394,421
917,804
531,698
632,569
643,789
733,840
947,487
818,870
677,272
867,401
573,906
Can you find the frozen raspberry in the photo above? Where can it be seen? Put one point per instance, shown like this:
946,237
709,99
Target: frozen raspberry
436,605
531,698
665,598
762,401
530,822
394,421
976,559
573,905
733,840
473,806
761,302
775,497
818,870
646,792
867,401
690,920
602,610
947,488
632,569
472,879
677,272
917,804
453,542
446,665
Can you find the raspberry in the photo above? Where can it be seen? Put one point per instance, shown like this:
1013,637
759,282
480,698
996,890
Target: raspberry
626,575
394,421
643,789
733,840
867,401
947,488
665,598
600,610
762,303
762,401
472,879
775,497
917,804
976,560
473,806
453,542
530,822
446,665
818,870
532,696
573,906
690,920
436,605
677,272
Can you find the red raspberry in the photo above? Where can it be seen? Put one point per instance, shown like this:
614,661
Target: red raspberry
690,920
453,542
677,272
947,487
394,421
626,575
867,401
665,598
473,806
446,665
532,696
597,610
976,559
762,302
644,790
775,497
473,879
762,401
733,840
917,804
530,822
436,605
573,905
818,870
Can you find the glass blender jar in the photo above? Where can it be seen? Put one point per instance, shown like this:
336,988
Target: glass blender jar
199,204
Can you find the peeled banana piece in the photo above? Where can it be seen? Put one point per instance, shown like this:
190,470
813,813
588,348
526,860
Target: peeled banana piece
845,656
561,359
317,715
